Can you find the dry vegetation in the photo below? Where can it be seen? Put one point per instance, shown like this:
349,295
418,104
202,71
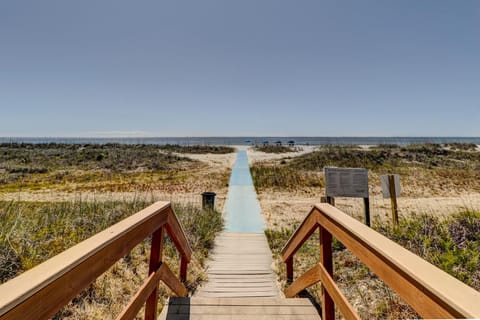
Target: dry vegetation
106,168
287,188
443,166
69,192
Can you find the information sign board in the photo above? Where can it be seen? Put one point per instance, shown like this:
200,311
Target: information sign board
346,182
386,185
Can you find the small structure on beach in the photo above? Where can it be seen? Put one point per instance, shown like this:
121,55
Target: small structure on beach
278,143
291,143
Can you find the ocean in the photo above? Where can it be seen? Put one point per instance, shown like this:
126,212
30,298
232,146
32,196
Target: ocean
245,140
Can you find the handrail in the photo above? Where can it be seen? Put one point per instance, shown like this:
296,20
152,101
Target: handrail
430,291
40,292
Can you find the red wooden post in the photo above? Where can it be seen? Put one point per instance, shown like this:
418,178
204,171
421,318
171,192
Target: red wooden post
155,260
328,307
289,264
183,269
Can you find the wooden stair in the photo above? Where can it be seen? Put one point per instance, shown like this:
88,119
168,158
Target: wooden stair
241,285
197,308
240,266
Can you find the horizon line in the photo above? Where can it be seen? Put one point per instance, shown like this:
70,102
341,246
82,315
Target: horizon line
234,136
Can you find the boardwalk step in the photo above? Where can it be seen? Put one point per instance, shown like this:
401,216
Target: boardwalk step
240,266
239,308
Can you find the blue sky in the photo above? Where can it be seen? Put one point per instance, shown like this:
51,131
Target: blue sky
240,68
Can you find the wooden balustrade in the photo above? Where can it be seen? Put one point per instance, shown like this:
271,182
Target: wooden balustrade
41,292
429,290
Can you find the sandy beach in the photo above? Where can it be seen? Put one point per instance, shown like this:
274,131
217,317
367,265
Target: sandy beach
211,174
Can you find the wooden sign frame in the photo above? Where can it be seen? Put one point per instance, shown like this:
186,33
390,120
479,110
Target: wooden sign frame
347,182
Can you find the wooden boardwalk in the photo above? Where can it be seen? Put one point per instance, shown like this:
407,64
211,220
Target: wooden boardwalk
240,266
241,285
239,309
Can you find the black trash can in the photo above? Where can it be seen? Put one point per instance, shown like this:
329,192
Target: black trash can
208,200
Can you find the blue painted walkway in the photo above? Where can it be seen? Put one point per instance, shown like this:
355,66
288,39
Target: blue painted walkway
242,209
241,260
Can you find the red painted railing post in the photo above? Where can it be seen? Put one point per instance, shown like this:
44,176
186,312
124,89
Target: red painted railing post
183,269
328,306
155,260
289,264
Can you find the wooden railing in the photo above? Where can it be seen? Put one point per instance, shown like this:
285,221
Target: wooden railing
430,291
42,291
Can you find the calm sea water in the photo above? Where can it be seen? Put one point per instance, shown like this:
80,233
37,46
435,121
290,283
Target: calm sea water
248,140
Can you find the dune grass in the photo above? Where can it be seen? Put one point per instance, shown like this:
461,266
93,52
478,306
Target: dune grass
99,167
443,165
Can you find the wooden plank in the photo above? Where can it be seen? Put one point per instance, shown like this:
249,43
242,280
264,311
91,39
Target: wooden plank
239,308
308,226
246,310
343,305
240,266
430,291
242,284
241,289
249,294
253,292
241,301
241,317
235,284
239,255
241,277
177,235
172,282
41,291
137,301
240,272
306,280
237,260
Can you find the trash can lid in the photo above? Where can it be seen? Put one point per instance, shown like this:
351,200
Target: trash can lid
209,193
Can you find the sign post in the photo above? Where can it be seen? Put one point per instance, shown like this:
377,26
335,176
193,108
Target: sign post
366,205
391,189
348,182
